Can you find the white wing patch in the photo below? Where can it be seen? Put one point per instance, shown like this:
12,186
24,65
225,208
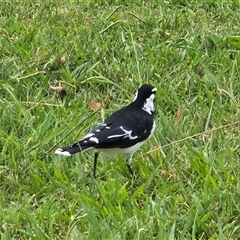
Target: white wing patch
125,134
89,135
113,136
129,133
135,97
94,139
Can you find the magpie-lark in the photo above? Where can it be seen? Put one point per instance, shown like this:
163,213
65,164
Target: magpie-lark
124,132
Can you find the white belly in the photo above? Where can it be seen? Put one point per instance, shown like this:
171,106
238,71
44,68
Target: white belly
112,152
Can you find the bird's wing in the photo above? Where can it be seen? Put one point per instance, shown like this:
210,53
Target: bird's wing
119,132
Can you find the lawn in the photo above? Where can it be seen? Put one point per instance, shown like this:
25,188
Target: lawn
67,65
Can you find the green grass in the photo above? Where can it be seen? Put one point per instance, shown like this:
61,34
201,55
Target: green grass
102,51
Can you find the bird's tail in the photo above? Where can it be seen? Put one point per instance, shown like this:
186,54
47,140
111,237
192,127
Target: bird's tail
72,149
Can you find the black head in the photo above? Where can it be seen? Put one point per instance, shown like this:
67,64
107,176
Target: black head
144,97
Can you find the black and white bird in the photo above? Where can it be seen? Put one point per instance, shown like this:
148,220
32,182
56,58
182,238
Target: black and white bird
124,132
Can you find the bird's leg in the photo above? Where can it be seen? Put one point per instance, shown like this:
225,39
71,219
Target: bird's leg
96,154
128,162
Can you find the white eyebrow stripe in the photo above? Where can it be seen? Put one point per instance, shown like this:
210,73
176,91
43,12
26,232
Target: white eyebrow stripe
154,90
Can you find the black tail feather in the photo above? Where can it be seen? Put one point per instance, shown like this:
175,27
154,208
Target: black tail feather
72,149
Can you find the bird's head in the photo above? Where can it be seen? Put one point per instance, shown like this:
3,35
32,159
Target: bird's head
144,98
